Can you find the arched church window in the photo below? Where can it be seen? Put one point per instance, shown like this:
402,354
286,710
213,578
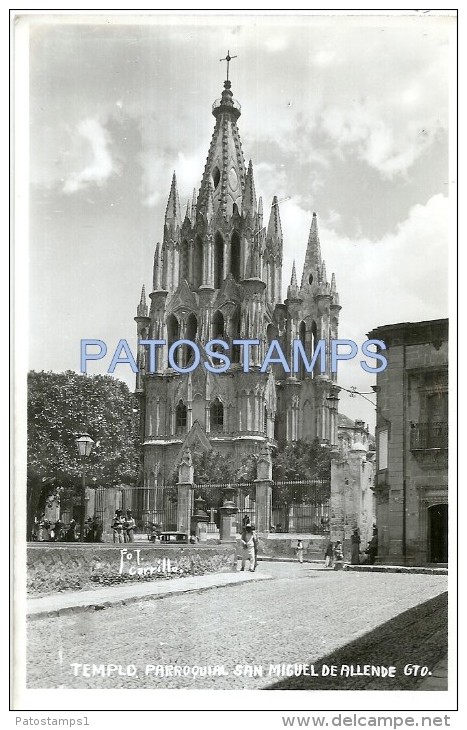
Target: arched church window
235,256
173,329
184,269
276,427
216,177
265,420
236,335
180,417
191,330
217,415
218,261
302,338
198,263
218,326
314,343
271,333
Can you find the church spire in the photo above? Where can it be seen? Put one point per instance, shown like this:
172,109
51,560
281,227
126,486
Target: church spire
292,289
193,208
313,261
249,196
172,213
274,233
225,165
142,309
260,212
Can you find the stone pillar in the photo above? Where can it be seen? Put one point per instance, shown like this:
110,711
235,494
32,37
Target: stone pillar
185,493
199,520
264,491
228,529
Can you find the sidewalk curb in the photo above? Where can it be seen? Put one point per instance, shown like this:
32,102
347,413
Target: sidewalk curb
109,602
396,569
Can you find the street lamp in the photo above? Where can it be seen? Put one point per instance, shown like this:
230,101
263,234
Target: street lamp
84,443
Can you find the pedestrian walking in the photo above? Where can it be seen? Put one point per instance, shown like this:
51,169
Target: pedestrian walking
328,555
299,550
355,547
248,547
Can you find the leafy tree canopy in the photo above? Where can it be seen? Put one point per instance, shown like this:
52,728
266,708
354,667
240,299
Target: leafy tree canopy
302,460
63,405
212,467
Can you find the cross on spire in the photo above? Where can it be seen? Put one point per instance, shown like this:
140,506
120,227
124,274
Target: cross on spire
228,58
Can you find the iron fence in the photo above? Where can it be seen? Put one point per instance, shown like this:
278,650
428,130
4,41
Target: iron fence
213,496
301,506
297,506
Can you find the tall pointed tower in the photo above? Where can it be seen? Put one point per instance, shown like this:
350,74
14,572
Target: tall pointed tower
218,274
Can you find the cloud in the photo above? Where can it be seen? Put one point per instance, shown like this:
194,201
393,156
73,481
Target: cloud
158,168
101,165
378,137
401,277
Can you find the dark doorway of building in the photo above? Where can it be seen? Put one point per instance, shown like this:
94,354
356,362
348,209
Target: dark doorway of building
438,533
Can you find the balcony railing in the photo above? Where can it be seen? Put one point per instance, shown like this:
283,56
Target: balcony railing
429,435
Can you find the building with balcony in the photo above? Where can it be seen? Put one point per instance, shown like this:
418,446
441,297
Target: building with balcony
411,484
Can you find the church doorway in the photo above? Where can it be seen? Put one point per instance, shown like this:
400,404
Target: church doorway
438,533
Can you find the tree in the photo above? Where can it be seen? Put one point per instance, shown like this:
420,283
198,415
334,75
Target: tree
302,460
299,462
62,405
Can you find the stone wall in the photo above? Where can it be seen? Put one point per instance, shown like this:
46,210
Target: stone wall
285,547
58,567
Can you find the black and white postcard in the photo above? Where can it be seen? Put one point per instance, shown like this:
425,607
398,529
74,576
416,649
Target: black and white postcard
233,240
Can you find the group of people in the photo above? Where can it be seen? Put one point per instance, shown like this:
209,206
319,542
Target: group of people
123,527
249,545
46,531
334,552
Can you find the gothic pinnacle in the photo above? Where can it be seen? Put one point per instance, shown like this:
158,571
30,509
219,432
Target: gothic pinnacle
142,309
260,212
292,289
293,278
274,232
172,213
324,278
313,253
249,196
193,207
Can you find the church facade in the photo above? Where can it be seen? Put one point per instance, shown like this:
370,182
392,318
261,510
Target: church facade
218,275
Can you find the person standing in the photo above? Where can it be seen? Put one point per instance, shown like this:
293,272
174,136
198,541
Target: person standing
372,549
300,551
328,555
248,547
355,547
71,532
117,526
130,525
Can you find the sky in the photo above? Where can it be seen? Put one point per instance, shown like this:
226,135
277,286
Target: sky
347,116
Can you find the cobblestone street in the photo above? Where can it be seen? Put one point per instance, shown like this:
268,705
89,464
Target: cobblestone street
303,614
